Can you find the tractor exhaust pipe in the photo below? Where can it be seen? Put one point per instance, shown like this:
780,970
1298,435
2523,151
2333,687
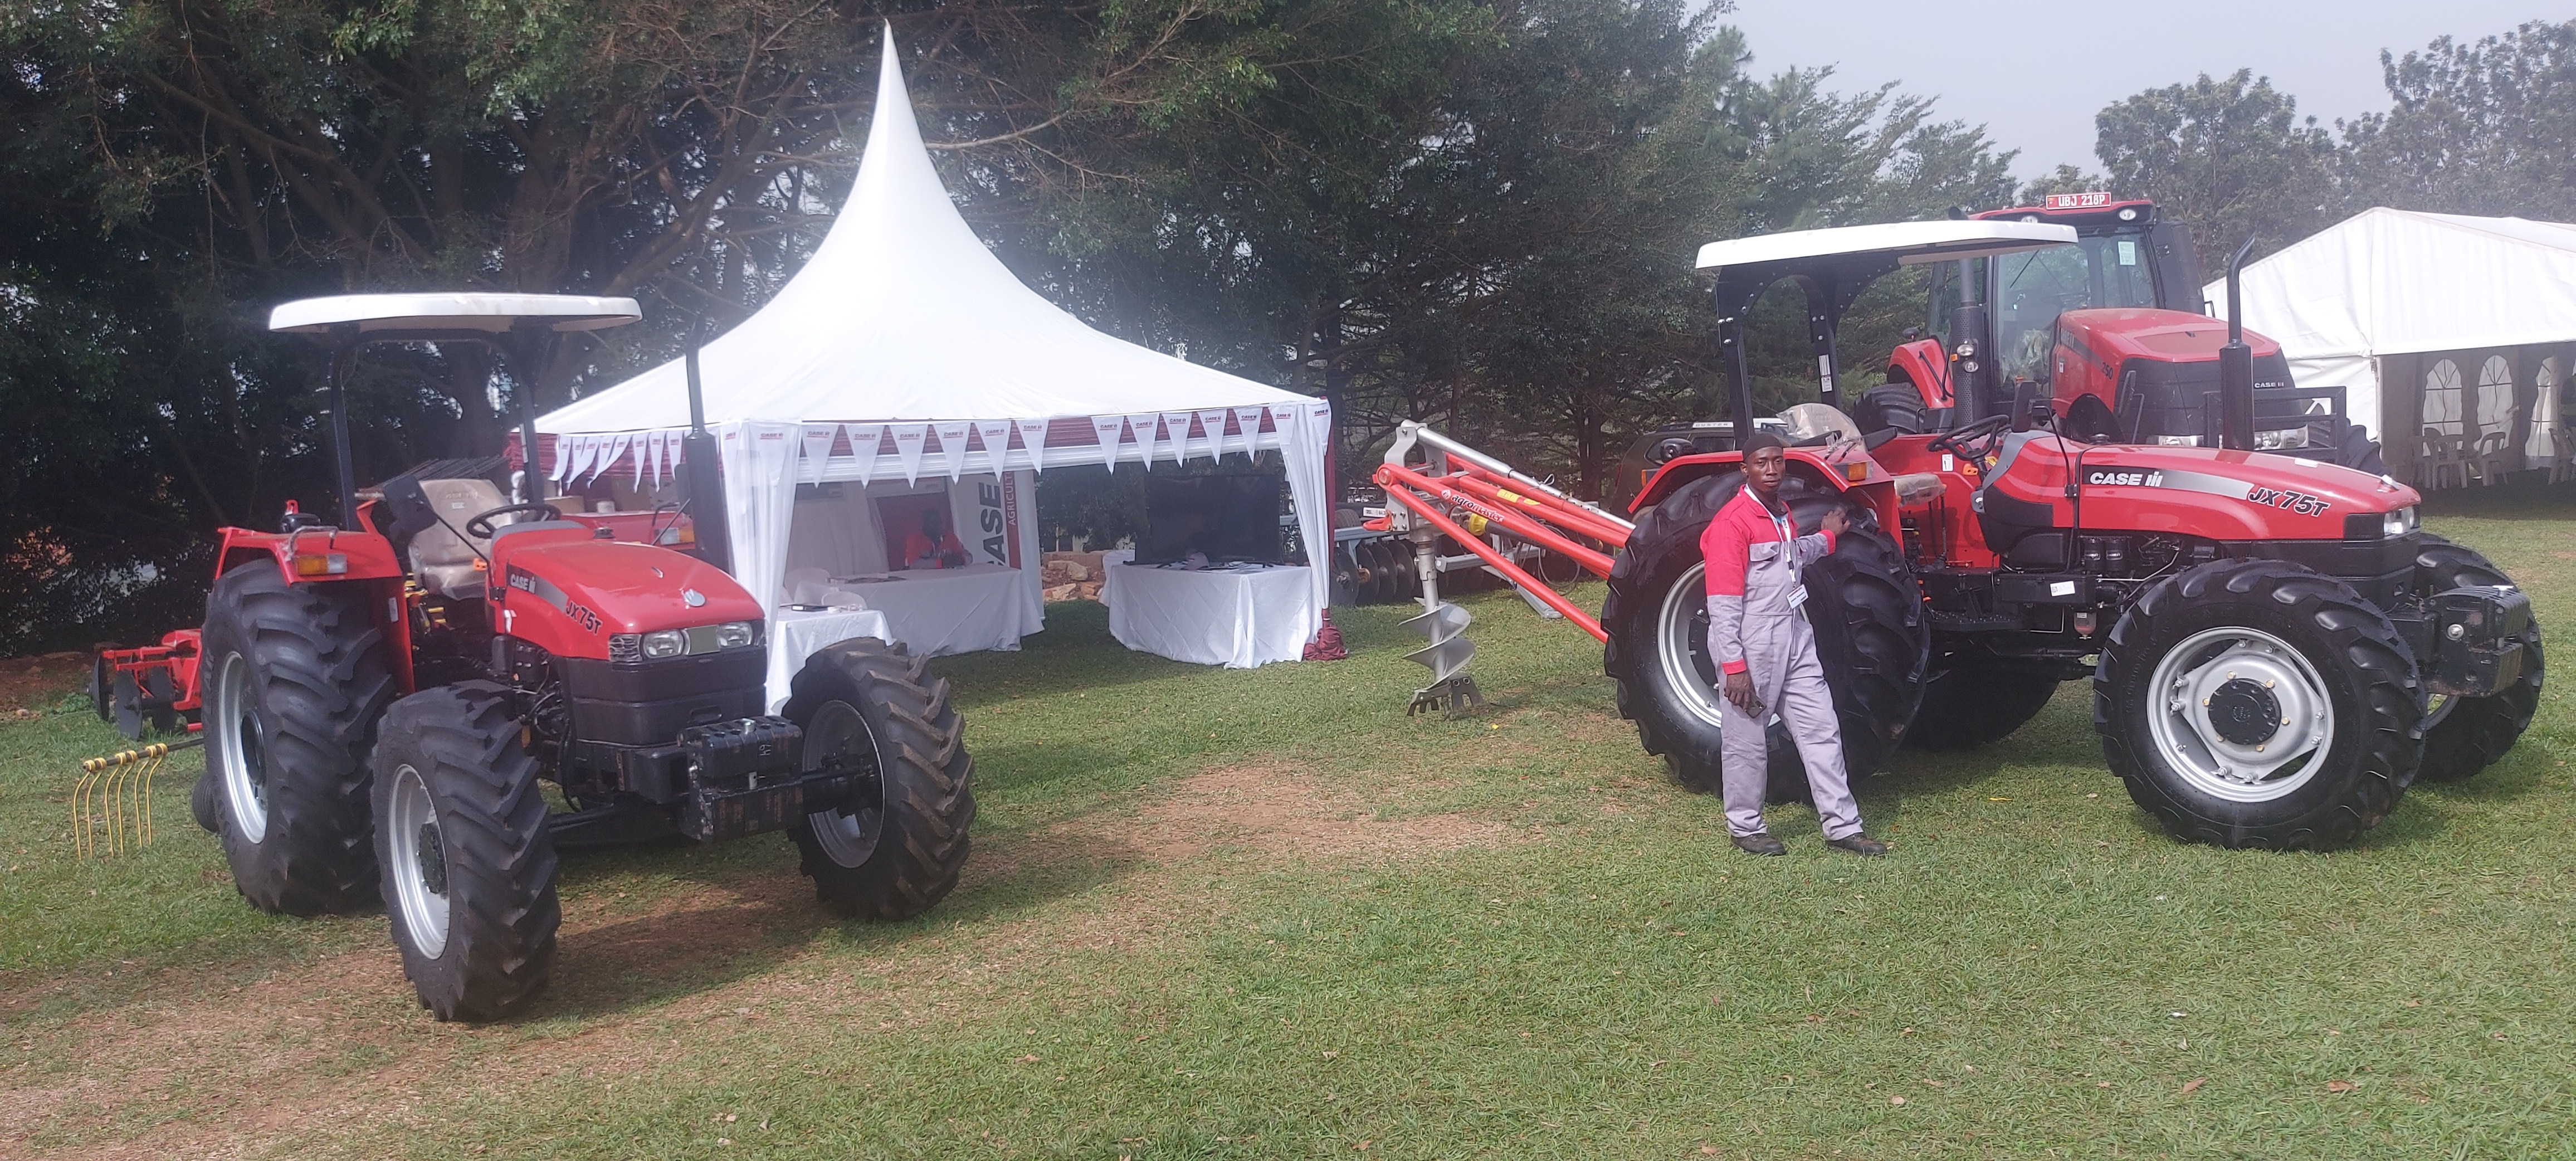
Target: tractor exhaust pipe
706,480
2236,364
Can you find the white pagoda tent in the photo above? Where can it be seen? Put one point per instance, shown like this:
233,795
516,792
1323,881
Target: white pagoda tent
904,350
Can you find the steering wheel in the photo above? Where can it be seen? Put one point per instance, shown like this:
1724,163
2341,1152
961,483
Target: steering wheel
480,527
1986,434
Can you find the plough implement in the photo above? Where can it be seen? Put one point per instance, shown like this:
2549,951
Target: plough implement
1466,495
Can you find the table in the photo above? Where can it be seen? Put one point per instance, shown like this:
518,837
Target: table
937,612
795,636
1238,617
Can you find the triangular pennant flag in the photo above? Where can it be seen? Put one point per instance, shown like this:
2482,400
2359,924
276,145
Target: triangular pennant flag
997,440
617,445
1247,423
908,439
1105,428
585,448
665,447
818,449
1033,433
643,446
562,452
864,439
1148,431
1213,423
952,444
1176,432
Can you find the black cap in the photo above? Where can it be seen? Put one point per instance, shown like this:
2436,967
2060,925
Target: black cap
1762,438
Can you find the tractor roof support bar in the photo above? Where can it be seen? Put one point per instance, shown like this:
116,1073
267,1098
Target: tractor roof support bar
344,361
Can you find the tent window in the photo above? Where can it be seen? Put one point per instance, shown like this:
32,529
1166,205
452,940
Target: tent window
2547,404
2442,397
2495,394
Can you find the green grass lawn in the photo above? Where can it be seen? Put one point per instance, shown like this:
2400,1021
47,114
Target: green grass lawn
1260,914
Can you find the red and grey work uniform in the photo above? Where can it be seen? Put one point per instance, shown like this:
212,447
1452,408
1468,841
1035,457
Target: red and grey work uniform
1756,625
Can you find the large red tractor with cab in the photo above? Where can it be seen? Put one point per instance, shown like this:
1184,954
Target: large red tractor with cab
385,696
2113,328
2276,649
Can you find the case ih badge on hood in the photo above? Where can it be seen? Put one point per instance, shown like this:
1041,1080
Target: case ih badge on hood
2301,503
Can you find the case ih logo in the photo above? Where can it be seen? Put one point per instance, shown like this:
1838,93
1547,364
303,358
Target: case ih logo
536,586
2299,502
2126,479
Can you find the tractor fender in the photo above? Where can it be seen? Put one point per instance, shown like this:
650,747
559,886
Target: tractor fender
1922,364
1849,472
340,556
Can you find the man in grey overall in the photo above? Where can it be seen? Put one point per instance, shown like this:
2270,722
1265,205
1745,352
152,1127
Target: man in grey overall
1759,637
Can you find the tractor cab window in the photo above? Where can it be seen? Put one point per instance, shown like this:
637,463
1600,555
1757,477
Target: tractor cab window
2033,288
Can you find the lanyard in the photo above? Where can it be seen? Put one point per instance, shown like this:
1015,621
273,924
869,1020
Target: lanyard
1780,524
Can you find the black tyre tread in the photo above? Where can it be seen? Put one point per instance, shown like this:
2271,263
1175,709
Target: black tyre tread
2359,636
1891,405
2478,732
322,679
1870,635
2360,452
503,912
924,767
1966,706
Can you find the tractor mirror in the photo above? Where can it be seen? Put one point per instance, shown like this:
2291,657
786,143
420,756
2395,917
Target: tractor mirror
2025,404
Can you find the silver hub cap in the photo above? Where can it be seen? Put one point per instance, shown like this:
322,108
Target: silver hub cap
1687,669
838,735
419,863
235,722
2240,715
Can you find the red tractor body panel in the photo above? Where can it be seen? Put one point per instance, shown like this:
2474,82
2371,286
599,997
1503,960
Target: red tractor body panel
1849,470
2203,492
327,554
1924,364
2094,345
568,593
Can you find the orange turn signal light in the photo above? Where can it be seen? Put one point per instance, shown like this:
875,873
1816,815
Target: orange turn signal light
322,564
1856,472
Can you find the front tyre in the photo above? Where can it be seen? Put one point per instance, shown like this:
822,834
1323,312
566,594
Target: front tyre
469,864
895,847
1967,706
2463,735
295,677
2251,703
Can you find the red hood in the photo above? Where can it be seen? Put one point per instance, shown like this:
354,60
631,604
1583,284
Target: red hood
2222,495
2117,333
569,592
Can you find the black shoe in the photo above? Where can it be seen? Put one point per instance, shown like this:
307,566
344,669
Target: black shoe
1858,844
1759,842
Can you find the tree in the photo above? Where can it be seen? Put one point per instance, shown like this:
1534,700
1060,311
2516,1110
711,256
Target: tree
2232,158
2482,128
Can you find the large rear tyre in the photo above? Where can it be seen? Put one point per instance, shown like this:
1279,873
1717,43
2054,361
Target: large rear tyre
295,677
1889,406
2463,735
894,851
1868,618
2360,452
469,864
2251,703
1965,707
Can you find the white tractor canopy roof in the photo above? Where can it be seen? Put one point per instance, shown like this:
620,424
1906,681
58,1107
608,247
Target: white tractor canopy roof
2390,282
1908,243
388,315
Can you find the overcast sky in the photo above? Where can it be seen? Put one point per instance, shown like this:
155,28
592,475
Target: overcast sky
2034,75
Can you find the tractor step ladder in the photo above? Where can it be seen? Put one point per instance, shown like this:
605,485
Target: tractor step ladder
1467,495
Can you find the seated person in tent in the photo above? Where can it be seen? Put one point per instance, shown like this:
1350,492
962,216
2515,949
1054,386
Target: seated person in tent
934,546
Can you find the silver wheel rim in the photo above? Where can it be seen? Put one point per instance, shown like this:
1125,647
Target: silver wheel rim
1688,671
238,748
2213,672
419,862
848,838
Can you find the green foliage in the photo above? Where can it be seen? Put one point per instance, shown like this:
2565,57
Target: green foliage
2482,128
2231,157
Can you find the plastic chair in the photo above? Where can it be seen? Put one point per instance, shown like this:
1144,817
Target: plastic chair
2440,452
2562,452
2492,459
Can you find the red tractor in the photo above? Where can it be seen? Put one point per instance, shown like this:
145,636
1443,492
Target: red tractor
385,697
2276,649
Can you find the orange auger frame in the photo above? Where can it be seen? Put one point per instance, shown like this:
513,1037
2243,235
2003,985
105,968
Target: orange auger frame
1458,483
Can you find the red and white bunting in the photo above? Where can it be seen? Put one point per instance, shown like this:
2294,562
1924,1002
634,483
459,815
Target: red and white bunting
1033,435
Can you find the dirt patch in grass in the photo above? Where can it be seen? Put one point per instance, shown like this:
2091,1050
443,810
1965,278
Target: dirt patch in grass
1275,811
29,685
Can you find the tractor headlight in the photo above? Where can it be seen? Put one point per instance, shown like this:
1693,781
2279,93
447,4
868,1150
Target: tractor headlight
667,643
2276,440
2401,522
733,634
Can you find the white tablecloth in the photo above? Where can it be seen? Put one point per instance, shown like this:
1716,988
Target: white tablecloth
1235,618
794,636
954,610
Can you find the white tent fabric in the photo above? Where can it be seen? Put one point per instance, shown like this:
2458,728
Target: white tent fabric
2389,282
905,349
